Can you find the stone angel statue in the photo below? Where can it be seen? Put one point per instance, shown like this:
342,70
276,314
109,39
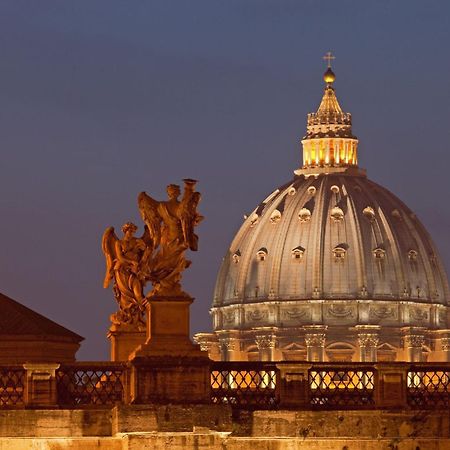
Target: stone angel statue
125,259
157,257
170,226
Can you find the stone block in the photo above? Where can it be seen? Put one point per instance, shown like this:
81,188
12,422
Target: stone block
177,418
165,380
67,423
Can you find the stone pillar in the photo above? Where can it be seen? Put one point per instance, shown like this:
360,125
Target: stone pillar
293,385
413,342
391,386
125,339
40,387
266,344
208,343
441,345
368,342
229,348
169,368
168,329
445,345
315,342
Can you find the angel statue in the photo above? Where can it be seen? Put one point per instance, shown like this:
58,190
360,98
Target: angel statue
156,257
124,259
170,226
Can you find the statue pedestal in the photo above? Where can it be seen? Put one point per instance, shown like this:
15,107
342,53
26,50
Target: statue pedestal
124,340
168,329
169,368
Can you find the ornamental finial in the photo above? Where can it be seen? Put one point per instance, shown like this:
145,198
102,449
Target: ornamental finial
329,75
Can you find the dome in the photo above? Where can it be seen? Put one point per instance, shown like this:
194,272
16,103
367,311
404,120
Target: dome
319,240
331,265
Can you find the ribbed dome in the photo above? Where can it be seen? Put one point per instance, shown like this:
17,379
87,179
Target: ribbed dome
333,237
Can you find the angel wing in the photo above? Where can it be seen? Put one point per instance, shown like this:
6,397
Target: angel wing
150,215
109,249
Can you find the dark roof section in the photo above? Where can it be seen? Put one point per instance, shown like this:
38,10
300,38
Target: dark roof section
17,319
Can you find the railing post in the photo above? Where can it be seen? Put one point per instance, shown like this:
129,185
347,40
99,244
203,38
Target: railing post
40,385
293,385
391,385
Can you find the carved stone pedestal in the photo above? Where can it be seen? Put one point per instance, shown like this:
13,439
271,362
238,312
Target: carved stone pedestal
125,339
169,368
168,329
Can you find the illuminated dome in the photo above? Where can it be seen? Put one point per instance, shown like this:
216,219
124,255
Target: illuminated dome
330,266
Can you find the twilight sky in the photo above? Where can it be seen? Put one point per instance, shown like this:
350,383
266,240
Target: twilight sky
100,100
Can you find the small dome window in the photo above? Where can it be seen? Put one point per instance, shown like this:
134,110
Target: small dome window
379,253
337,215
236,256
312,190
304,215
339,252
369,213
292,191
298,252
275,217
412,255
334,189
261,254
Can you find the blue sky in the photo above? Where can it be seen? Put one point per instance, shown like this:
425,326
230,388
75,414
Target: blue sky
100,100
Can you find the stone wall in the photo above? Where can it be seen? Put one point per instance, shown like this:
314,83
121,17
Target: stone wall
213,427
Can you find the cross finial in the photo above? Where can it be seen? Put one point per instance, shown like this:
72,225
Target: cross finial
328,58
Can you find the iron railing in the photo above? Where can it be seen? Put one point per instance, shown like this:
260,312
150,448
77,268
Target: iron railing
428,386
246,385
12,386
94,384
341,386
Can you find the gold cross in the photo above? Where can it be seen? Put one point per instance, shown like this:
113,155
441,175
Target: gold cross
328,58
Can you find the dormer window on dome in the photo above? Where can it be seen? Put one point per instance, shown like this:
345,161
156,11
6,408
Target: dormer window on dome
298,252
369,213
412,255
304,215
379,253
275,217
339,252
337,215
236,256
261,254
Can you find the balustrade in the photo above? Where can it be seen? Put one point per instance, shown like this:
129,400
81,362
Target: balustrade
240,384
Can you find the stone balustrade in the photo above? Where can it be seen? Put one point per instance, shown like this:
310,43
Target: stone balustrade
241,385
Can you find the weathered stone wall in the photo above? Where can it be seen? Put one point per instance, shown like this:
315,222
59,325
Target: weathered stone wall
175,427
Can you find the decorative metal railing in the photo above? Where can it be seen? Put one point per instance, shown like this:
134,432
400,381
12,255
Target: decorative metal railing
247,385
12,385
91,384
343,386
428,386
